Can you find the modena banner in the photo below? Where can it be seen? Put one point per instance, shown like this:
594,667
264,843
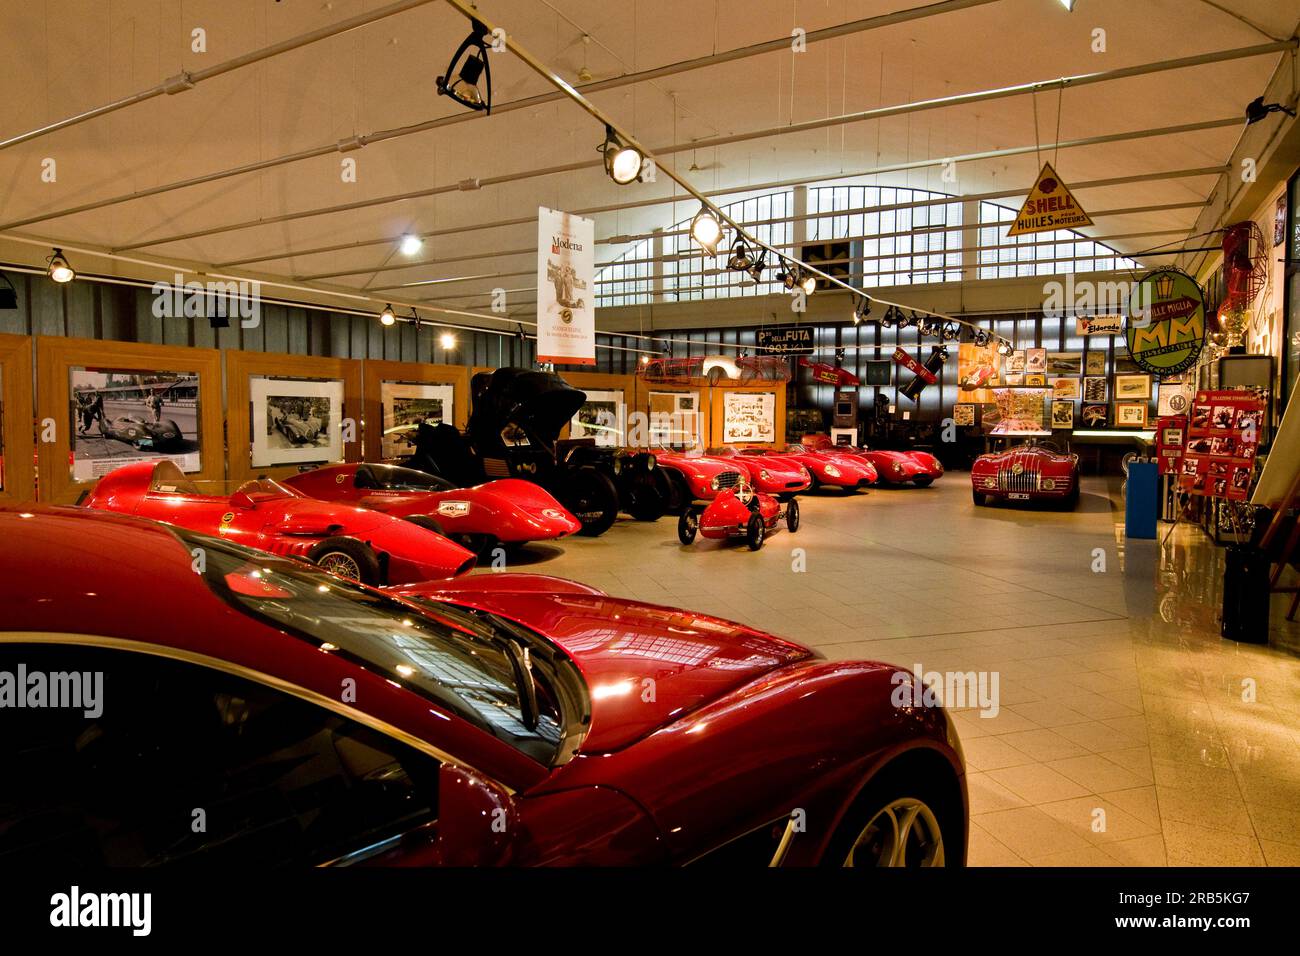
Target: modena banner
1099,324
1050,206
566,288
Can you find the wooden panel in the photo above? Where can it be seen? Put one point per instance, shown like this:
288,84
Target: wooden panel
241,366
55,356
16,418
376,372
716,425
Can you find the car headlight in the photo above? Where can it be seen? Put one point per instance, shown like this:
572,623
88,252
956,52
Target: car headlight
650,462
1049,484
763,473
715,484
832,471
897,467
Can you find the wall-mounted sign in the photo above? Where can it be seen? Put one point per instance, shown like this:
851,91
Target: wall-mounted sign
830,374
1099,324
1166,327
566,288
1050,206
785,340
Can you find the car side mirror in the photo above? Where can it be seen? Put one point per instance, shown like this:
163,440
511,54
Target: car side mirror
477,820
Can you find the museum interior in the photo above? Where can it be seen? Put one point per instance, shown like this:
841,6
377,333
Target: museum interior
568,433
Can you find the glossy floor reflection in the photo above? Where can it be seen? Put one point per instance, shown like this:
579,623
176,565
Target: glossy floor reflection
1128,733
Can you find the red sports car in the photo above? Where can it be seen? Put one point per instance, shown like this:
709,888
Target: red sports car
494,719
825,469
352,542
510,511
1032,472
770,475
894,467
698,477
739,512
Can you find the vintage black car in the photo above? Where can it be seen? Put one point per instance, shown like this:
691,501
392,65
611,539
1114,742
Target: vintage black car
516,418
142,434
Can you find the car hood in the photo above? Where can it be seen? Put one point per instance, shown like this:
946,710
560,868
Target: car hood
645,665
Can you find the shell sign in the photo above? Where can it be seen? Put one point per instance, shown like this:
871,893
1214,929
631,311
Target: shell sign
1166,322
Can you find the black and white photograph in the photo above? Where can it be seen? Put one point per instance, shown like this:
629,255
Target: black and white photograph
123,415
295,421
1094,389
1064,364
749,417
600,417
1062,414
408,405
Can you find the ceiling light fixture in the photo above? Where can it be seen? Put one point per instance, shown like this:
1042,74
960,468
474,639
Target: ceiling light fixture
902,320
1257,109
1004,348
861,310
706,230
462,84
622,162
59,269
740,259
410,244
950,331
388,316
887,320
981,337
447,341
809,284
756,268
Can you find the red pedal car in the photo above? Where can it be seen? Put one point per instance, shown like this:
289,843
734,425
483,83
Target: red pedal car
509,512
354,543
1033,472
495,719
739,512
920,468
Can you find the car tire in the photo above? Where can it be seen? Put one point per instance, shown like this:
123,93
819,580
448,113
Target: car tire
755,532
923,481
649,495
861,840
348,558
980,498
591,498
792,516
688,525
680,497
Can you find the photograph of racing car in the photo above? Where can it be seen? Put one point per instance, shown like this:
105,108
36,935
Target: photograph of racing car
124,415
293,421
355,543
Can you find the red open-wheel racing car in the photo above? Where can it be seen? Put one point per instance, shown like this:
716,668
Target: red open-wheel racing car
510,512
739,512
356,543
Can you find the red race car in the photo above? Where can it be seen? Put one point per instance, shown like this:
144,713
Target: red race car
510,511
1031,472
826,470
894,467
495,719
698,477
352,542
770,475
739,512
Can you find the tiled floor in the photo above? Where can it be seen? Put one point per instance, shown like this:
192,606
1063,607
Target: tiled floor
1128,732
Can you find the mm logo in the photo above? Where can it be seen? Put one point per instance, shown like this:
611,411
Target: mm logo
1165,330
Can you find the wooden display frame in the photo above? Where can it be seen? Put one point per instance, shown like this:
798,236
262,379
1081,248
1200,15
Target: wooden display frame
375,372
605,382
242,366
56,356
16,418
717,412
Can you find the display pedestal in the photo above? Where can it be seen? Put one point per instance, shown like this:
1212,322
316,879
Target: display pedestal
1140,500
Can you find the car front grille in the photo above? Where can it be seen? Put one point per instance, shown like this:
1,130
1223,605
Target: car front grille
728,479
1027,480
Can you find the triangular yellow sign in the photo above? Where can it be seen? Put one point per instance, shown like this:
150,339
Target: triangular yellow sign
1050,206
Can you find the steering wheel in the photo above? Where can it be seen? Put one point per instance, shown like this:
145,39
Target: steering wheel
744,493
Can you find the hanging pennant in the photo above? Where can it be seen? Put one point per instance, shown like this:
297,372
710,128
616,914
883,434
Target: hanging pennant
1050,206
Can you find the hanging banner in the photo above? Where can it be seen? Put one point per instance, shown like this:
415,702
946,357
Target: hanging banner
1166,325
1050,206
913,366
566,288
1099,324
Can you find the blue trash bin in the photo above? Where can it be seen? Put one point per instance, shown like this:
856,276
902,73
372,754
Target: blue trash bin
1142,501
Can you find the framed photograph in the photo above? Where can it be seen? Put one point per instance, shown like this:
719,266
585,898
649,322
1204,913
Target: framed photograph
602,417
1036,378
1095,416
295,421
1094,363
1062,414
1174,398
408,405
1064,388
1016,362
1035,361
748,417
963,415
1094,389
1061,364
674,419
1130,414
118,416
1124,365
1131,387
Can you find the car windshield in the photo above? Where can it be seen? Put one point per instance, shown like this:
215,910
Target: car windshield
395,478
491,672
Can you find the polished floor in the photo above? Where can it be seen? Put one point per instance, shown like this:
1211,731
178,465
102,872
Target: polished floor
1128,732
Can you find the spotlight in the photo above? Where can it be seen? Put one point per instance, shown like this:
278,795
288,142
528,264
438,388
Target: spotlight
861,310
645,360
902,320
788,277
1004,348
410,244
887,320
447,341
59,269
706,230
622,162
1257,109
981,337
388,316
809,284
740,260
950,331
462,85
756,268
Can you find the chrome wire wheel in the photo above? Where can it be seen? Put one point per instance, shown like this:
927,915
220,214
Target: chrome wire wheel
336,562
902,833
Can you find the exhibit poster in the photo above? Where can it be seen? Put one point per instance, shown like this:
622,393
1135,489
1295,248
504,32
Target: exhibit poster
748,416
1094,389
1035,361
1174,398
977,368
1063,388
124,415
674,419
1095,363
566,288
1132,387
1023,411
1222,439
408,405
295,420
1130,414
601,417
1062,414
1016,362
1060,364
963,414
1094,416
